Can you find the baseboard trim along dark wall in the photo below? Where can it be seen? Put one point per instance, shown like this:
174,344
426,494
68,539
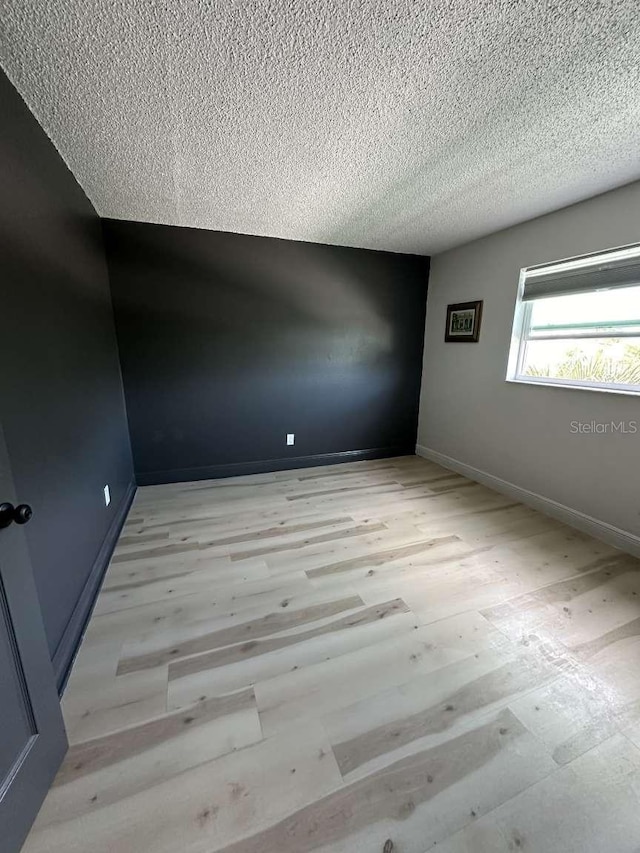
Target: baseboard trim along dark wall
69,645
214,472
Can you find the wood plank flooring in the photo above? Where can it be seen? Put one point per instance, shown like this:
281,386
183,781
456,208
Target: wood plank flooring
379,656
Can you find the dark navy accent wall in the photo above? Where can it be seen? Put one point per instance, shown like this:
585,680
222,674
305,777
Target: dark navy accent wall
61,400
228,342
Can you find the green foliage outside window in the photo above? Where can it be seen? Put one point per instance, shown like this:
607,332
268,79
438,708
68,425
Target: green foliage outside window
600,365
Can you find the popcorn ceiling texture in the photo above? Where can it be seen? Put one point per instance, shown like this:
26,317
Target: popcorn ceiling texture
390,124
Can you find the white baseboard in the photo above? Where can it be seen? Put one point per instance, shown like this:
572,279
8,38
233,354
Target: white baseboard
622,539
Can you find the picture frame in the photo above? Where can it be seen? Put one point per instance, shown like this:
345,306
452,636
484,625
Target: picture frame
463,322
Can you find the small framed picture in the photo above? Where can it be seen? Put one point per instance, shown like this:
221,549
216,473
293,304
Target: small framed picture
463,321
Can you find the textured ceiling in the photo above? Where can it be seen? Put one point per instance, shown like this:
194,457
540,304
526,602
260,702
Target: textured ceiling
403,125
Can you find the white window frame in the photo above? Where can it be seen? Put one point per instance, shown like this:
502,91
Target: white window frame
519,339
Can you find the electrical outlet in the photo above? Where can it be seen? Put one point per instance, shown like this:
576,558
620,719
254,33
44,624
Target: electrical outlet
107,496
291,438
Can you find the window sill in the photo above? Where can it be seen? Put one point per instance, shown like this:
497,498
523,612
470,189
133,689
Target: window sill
549,383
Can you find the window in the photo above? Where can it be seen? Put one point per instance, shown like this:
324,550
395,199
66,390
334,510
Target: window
577,323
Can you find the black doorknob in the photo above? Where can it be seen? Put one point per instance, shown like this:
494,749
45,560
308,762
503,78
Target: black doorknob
6,514
22,514
9,513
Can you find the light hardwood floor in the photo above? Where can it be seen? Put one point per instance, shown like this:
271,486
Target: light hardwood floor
380,656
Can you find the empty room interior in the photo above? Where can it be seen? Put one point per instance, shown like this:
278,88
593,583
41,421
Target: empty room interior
320,426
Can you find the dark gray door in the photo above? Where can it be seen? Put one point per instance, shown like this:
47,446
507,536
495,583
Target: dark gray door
32,736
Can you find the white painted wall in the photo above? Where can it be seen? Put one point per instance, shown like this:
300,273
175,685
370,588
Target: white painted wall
517,433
